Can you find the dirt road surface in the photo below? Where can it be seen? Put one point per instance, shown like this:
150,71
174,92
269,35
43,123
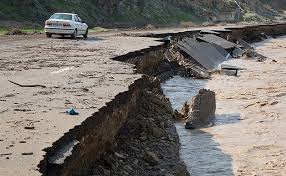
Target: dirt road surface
256,137
75,73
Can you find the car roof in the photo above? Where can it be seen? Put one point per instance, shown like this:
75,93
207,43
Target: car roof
66,13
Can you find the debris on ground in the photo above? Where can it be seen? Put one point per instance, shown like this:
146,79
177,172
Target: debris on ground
230,70
187,66
213,39
32,85
178,115
72,111
237,52
29,127
16,31
201,110
204,53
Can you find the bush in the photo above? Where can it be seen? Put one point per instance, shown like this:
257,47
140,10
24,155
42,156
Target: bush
15,31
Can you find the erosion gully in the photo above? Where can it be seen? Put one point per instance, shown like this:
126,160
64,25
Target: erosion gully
250,132
200,151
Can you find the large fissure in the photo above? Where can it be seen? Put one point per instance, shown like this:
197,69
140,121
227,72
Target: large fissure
135,133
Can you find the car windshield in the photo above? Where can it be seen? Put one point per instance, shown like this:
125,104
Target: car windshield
61,17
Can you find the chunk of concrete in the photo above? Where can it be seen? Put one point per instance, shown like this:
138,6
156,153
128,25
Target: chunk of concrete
202,110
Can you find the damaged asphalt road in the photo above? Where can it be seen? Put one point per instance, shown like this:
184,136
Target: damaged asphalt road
77,74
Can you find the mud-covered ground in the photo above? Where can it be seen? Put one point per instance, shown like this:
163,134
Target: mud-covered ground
256,140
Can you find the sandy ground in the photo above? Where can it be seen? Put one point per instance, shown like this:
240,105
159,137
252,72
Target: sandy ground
77,74
256,141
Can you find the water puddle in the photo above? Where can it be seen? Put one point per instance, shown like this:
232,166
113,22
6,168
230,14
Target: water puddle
201,153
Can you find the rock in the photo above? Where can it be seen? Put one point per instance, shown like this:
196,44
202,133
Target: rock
135,162
151,158
186,109
177,115
251,53
143,137
182,170
157,132
183,113
162,125
119,155
128,168
202,108
106,172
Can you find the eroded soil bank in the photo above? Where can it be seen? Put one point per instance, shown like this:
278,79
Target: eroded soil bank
148,143
249,135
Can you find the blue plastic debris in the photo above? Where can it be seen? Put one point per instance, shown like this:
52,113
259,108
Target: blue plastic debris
72,111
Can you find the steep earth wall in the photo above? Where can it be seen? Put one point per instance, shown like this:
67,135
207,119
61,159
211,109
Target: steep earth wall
148,143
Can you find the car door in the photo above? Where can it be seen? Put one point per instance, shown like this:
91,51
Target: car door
80,27
82,24
77,25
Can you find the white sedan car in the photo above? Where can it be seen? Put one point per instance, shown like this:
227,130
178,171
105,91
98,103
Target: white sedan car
65,24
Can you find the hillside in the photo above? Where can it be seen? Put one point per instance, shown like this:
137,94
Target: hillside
138,13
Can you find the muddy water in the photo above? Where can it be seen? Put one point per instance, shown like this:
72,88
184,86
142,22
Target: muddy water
201,153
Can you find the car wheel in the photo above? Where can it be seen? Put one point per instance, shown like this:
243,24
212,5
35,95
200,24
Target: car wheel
49,35
74,35
86,33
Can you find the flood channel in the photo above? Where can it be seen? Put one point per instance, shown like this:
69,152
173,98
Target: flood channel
199,150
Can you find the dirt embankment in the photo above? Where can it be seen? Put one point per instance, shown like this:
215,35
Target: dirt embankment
148,143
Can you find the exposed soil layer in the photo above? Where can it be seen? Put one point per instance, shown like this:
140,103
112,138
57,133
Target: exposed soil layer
148,143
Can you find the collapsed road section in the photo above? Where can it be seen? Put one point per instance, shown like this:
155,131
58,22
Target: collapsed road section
76,74
38,137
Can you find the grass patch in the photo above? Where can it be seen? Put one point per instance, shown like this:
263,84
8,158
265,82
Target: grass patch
20,31
251,16
3,30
